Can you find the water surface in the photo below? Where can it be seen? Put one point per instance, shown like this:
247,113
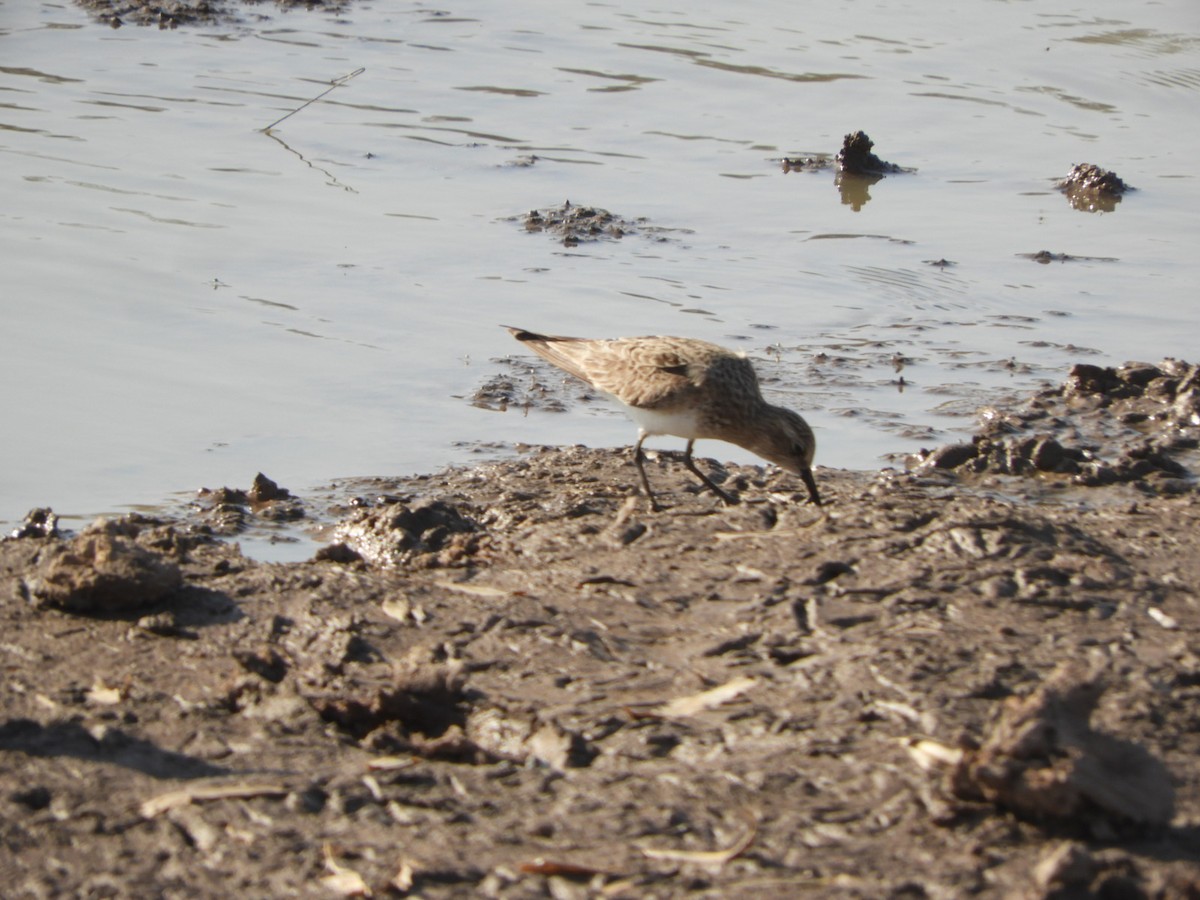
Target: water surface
188,300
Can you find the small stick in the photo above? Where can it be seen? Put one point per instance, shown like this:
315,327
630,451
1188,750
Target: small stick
337,82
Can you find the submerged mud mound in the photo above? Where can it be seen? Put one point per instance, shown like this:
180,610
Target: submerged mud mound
528,384
1090,188
573,224
174,13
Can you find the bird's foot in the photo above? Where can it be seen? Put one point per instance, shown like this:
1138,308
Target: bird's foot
727,498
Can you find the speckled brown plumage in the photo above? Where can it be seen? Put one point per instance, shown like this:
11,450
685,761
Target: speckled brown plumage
687,388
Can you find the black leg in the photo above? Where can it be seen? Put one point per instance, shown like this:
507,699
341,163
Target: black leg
639,458
729,499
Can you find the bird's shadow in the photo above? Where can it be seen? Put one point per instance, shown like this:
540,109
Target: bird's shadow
114,746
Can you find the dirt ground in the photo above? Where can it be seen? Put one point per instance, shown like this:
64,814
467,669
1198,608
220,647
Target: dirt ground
977,677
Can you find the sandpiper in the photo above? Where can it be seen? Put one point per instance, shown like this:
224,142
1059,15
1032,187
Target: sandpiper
687,388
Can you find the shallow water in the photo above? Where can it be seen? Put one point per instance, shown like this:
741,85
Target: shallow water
188,300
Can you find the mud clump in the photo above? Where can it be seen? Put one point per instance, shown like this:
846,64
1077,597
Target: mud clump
1042,760
1088,177
103,570
854,158
858,168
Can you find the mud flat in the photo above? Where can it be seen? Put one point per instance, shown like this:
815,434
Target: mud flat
979,676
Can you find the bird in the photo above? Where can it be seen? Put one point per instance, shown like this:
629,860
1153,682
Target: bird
686,388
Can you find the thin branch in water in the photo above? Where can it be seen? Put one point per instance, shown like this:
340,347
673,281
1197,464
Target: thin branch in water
337,82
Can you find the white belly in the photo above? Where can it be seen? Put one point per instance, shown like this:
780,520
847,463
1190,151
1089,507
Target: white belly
684,423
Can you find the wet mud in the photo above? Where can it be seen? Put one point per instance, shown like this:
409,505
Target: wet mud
514,680
1102,426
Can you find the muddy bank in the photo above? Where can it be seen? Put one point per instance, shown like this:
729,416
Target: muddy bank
515,681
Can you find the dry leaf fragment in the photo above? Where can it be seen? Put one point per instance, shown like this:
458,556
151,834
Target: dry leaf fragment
931,756
477,590
173,799
397,608
682,707
749,573
390,763
104,695
1162,618
342,880
402,881
539,866
706,857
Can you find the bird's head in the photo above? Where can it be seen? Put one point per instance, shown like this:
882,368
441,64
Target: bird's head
789,443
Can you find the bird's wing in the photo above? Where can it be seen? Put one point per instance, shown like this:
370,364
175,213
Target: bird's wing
640,374
647,373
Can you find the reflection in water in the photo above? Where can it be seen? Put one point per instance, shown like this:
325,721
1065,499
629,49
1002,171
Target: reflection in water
1091,202
330,179
855,189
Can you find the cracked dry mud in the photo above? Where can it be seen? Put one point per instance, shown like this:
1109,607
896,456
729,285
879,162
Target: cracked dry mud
515,681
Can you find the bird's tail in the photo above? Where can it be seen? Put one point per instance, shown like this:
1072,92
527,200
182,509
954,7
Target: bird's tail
555,349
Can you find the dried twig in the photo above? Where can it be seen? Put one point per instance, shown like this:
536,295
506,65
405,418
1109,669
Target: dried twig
173,799
707,857
337,82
